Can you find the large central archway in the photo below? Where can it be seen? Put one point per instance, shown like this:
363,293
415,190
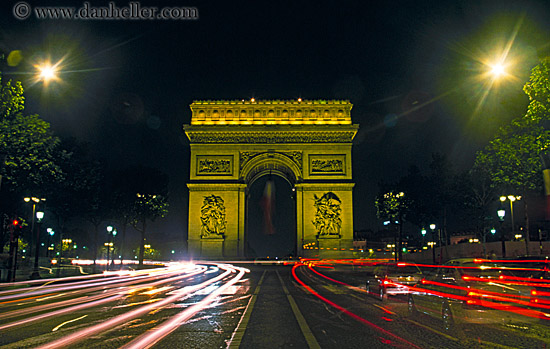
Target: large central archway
270,217
234,143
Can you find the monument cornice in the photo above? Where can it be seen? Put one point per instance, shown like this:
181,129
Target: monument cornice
216,186
256,134
325,186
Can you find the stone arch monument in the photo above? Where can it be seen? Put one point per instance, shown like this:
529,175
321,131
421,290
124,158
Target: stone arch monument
233,143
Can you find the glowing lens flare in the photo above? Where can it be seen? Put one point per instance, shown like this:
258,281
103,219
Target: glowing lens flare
498,70
47,72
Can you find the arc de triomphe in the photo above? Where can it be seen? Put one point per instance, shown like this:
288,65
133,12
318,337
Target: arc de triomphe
233,143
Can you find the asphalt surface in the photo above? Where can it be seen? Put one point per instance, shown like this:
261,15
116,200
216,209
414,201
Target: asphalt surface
213,305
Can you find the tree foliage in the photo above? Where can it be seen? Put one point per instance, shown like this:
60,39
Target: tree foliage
391,206
513,156
538,91
31,153
12,100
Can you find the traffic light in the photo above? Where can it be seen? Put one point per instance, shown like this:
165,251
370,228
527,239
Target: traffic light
17,225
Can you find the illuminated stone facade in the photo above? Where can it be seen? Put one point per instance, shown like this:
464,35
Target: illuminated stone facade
233,143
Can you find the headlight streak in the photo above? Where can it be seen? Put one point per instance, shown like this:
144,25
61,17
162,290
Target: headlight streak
90,301
137,303
24,299
219,301
157,290
150,338
97,283
347,312
208,290
212,270
25,311
61,311
120,319
206,317
76,286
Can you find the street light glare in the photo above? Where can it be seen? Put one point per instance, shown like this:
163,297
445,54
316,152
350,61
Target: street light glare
497,70
47,72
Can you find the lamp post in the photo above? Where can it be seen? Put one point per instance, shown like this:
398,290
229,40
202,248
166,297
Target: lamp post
36,269
423,232
51,233
109,231
501,213
113,245
512,199
63,248
432,228
35,274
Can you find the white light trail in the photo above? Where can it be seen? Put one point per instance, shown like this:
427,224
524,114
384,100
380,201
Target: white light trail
123,318
90,301
151,337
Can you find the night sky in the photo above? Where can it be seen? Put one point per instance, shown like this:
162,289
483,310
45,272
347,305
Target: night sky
385,57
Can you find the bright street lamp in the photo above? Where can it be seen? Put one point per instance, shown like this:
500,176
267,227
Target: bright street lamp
498,70
47,72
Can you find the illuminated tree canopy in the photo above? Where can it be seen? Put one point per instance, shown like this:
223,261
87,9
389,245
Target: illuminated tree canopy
513,156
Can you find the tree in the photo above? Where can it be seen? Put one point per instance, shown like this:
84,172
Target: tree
148,252
29,150
81,193
476,194
147,207
442,190
142,194
391,206
513,155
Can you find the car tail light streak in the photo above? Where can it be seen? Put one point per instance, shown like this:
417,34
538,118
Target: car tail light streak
354,316
540,297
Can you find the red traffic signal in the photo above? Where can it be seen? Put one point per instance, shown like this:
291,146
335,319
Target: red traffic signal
16,223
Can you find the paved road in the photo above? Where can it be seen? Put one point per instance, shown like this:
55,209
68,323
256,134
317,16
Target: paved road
213,305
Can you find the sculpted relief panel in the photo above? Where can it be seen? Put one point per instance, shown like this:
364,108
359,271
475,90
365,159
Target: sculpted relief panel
213,217
327,164
208,165
327,220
